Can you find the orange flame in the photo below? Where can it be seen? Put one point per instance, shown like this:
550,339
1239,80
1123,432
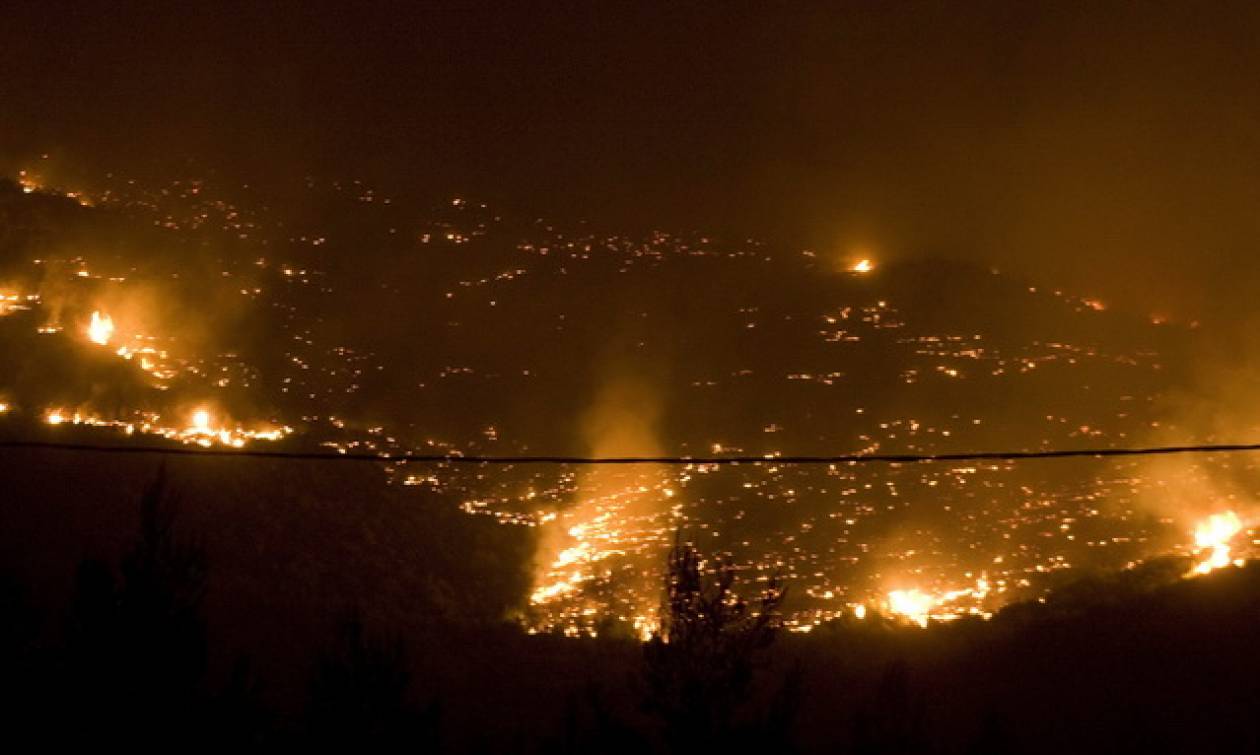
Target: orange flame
100,329
1213,535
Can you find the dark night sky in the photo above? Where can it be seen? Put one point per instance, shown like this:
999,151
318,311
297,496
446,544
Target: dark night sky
1111,147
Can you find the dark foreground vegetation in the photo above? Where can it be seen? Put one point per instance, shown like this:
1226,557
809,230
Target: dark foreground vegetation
175,639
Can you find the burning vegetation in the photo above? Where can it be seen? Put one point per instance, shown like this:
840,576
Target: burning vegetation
1212,542
101,329
852,363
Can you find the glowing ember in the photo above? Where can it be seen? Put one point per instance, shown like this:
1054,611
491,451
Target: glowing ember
10,303
100,329
29,186
1213,535
645,627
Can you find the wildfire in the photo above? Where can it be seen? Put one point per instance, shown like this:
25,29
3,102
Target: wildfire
156,362
914,605
864,265
28,183
100,329
919,606
10,303
200,430
645,627
619,517
1213,535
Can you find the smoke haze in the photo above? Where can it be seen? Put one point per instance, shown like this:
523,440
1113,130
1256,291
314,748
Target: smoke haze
1108,147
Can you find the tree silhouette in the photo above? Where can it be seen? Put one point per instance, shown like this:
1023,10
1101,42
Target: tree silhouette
892,721
137,652
237,716
590,726
21,677
163,584
359,694
699,667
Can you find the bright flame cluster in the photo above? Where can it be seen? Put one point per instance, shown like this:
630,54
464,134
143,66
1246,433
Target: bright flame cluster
615,521
918,606
1213,535
100,329
914,605
200,430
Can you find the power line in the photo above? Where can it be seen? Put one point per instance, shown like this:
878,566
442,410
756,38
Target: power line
624,460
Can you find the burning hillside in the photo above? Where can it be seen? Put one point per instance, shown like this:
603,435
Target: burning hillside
184,314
